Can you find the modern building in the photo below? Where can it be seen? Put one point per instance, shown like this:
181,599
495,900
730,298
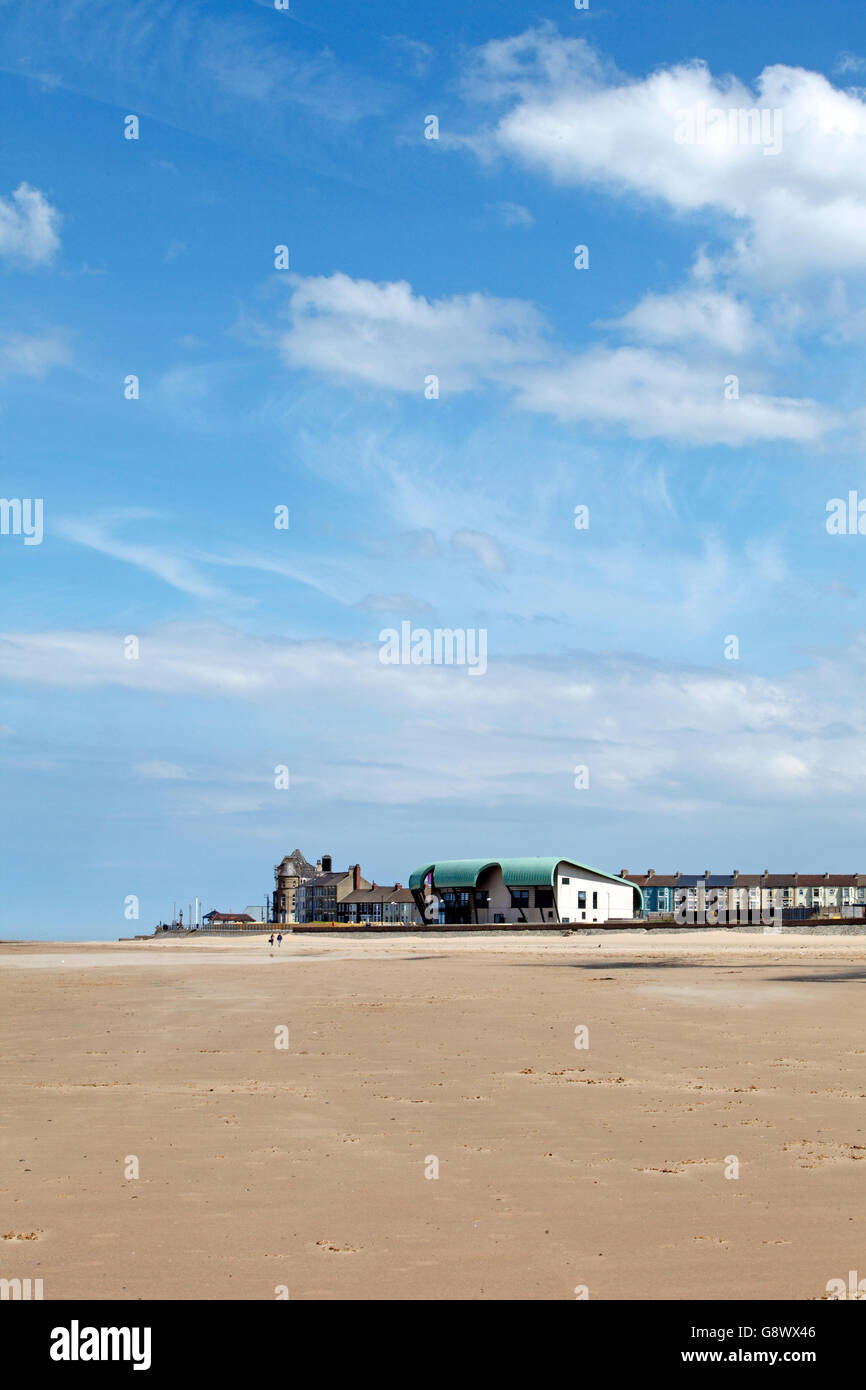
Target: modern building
317,898
389,906
489,892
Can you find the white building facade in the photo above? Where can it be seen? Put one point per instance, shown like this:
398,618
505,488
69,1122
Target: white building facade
521,892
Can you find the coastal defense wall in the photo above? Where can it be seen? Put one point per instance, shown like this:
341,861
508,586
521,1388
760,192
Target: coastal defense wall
629,925
251,929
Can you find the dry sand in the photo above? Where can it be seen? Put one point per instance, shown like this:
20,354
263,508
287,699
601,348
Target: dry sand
558,1167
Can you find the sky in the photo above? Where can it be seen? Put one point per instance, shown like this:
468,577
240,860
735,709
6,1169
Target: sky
620,464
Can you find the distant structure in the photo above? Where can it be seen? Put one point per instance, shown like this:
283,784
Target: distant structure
288,874
227,919
796,896
305,892
393,907
318,896
514,892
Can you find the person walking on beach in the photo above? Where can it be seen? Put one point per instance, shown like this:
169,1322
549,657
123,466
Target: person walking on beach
271,939
279,938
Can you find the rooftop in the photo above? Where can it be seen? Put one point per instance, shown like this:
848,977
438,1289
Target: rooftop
524,872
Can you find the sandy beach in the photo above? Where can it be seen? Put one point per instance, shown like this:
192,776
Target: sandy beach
262,1167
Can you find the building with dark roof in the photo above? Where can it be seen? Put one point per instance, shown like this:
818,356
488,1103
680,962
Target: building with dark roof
750,895
388,906
227,919
317,898
658,889
290,871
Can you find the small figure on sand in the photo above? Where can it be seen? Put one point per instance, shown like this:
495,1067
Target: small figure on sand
271,939
279,938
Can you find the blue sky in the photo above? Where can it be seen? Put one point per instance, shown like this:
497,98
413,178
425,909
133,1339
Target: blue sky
304,388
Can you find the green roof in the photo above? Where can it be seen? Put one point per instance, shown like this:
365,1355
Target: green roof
465,873
521,872
456,873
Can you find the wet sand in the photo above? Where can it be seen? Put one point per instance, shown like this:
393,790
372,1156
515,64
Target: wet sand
262,1167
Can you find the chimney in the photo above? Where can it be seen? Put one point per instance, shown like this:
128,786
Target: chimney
375,884
356,877
318,866
326,863
398,887
623,873
650,873
826,873
707,873
735,873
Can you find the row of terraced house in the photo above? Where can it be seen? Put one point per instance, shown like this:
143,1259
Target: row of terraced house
795,896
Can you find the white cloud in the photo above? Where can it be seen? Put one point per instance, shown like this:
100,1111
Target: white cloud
219,78
167,565
517,65
385,334
666,737
656,395
512,214
484,548
28,227
792,212
692,315
413,53
405,604
31,354
389,336
162,772
849,62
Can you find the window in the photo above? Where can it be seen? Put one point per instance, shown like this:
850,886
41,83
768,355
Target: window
464,898
482,897
520,897
566,880
498,917
595,900
581,898
544,897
